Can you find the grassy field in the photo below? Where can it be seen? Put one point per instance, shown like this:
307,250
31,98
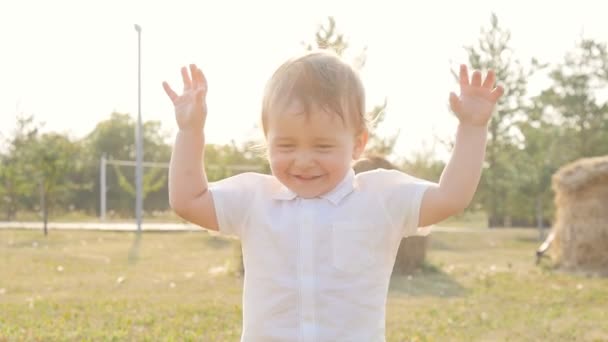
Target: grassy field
87,285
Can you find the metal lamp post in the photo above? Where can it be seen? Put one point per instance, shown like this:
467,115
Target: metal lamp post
139,140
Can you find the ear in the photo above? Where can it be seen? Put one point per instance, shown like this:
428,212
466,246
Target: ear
360,142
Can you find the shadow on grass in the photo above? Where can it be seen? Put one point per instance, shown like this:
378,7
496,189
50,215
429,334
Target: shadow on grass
218,242
134,250
534,239
427,281
436,244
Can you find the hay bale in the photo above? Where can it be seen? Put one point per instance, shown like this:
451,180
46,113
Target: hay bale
412,249
581,224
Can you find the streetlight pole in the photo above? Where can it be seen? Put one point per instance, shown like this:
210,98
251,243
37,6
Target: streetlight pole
139,140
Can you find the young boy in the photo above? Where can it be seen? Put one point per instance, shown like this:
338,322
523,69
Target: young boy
319,242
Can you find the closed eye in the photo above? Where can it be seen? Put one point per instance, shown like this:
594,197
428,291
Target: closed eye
286,147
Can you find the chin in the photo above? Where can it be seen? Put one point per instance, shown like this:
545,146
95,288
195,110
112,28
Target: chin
308,192
308,188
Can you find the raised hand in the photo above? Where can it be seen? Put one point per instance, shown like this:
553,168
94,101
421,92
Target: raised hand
190,106
477,100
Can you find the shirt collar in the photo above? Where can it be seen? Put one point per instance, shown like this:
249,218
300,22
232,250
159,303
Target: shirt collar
335,196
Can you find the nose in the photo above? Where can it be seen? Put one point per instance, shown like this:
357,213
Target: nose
303,159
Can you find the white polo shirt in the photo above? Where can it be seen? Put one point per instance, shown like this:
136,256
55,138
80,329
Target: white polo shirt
318,269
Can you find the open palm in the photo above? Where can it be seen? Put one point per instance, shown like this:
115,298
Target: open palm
190,106
477,99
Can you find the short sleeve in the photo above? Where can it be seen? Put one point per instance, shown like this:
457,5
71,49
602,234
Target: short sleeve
233,197
402,196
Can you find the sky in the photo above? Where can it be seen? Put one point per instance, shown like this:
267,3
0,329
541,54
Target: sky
72,63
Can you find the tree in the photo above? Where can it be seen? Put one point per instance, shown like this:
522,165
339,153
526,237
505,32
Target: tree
35,169
565,122
16,185
50,159
573,100
221,160
493,51
536,162
423,164
115,138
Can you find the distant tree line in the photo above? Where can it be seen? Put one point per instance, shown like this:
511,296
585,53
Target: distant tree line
530,137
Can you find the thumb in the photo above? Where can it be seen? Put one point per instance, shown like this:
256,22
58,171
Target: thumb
455,103
172,95
497,93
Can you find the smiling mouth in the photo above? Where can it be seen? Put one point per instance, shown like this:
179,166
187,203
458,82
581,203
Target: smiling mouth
306,178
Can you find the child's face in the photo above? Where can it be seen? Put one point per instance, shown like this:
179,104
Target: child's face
310,154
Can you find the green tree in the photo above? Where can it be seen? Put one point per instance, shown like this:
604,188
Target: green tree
565,122
115,137
541,155
493,51
573,98
227,160
16,183
423,164
50,159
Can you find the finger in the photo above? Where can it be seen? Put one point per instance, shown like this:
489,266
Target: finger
202,80
201,89
172,95
455,103
194,74
476,78
488,83
198,97
186,78
497,93
464,76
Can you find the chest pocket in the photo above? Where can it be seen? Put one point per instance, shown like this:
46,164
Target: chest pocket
356,246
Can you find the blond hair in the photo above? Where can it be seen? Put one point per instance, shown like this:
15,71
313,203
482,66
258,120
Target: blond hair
317,80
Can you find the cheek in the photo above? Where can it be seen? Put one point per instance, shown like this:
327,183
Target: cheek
278,160
335,160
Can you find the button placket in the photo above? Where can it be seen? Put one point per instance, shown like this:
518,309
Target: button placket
306,271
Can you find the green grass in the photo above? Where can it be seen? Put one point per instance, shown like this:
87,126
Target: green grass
88,285
468,219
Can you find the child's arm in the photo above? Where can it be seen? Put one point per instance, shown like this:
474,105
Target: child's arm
461,175
189,195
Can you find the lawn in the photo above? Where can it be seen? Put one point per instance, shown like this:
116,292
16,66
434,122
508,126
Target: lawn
90,285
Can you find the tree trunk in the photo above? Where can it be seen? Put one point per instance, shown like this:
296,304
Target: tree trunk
11,209
492,212
43,207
